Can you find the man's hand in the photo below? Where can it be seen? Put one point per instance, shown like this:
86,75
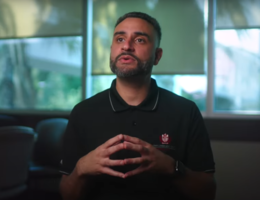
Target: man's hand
151,160
98,162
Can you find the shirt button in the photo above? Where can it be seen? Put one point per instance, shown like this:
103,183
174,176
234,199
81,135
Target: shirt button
134,123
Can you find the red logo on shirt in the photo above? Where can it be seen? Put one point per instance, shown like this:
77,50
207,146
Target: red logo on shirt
165,139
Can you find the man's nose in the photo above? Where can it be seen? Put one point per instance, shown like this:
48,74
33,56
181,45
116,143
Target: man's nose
128,45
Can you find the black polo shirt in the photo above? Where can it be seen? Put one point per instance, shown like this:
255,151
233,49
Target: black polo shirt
171,123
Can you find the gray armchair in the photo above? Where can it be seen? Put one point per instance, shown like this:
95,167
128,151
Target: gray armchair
44,169
16,143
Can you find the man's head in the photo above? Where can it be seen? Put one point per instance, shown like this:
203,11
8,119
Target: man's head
145,17
135,46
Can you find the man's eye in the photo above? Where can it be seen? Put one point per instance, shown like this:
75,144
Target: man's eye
139,40
120,39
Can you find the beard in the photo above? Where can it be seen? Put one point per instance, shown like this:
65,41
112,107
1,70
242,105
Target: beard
142,68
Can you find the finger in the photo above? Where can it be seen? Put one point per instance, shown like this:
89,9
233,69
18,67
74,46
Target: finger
134,140
135,171
109,171
113,141
136,147
117,142
132,161
110,150
112,163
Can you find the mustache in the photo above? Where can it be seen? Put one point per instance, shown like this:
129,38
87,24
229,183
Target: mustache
127,54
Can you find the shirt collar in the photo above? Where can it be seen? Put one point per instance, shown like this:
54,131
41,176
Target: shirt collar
149,104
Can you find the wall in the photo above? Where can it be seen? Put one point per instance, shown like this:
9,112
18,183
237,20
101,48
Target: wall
237,169
236,147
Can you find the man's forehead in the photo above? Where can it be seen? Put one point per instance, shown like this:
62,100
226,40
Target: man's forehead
135,25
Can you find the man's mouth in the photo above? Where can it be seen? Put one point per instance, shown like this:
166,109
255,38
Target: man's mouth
126,59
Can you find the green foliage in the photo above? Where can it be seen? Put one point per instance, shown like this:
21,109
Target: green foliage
56,91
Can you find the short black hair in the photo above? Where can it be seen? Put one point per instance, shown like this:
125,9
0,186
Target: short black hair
145,17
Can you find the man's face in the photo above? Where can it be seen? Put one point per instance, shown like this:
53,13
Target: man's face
133,50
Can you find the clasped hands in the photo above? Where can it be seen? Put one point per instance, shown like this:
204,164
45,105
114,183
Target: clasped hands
151,160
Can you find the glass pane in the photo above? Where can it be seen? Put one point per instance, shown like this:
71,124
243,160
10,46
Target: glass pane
237,70
192,87
183,33
102,82
29,18
40,73
238,13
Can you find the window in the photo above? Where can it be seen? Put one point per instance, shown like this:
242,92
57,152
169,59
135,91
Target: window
41,54
237,57
40,73
237,72
55,54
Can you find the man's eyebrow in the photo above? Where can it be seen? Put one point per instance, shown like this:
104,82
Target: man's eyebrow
136,33
143,34
119,33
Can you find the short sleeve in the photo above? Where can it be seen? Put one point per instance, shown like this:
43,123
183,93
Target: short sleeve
199,156
70,146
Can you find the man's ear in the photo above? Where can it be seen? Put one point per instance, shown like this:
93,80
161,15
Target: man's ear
158,55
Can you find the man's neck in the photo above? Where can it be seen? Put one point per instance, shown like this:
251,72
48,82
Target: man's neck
133,90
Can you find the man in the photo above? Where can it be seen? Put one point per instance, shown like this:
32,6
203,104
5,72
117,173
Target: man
136,140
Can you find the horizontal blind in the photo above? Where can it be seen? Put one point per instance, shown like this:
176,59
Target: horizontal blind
238,14
39,18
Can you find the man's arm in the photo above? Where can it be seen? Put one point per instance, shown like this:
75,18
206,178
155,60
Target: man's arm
195,185
73,186
76,185
196,182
